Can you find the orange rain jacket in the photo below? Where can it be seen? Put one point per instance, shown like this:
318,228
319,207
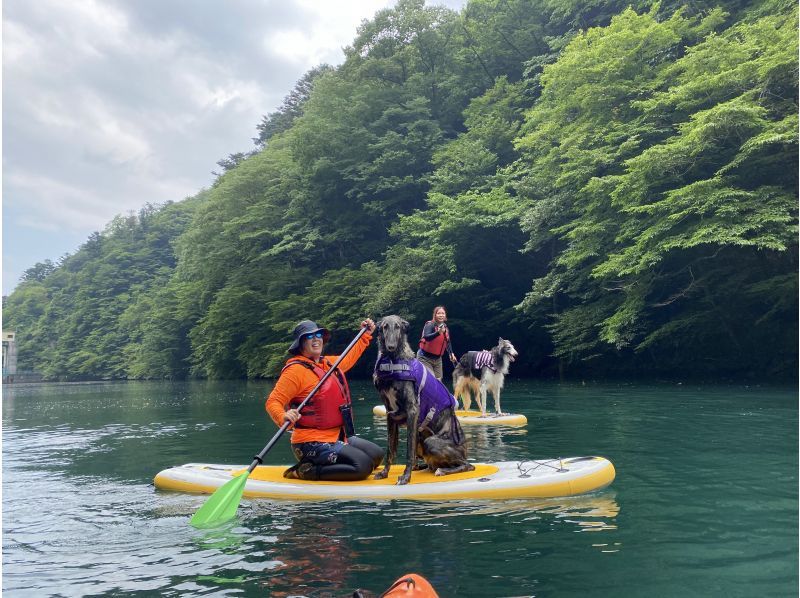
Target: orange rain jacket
297,382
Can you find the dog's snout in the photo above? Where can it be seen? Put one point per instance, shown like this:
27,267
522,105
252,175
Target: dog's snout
391,337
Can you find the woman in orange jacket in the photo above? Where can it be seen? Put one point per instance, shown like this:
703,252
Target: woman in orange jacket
321,442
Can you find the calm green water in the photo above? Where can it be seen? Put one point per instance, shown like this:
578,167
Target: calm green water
704,504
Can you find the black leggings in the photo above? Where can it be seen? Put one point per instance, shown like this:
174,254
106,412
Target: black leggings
354,460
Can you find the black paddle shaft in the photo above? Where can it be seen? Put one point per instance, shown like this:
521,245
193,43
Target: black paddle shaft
259,458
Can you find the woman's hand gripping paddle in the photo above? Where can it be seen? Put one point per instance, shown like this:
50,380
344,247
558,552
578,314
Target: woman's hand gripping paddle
222,505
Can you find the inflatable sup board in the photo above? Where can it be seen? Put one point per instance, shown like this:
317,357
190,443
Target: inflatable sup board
475,417
507,479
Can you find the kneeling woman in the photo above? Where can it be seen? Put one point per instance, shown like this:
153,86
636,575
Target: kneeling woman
319,439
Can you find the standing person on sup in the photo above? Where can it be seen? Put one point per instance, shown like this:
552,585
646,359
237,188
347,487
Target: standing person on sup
323,438
435,342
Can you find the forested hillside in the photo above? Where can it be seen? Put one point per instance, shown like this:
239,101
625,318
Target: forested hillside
611,185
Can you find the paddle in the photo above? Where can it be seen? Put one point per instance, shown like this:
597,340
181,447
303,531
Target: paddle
222,505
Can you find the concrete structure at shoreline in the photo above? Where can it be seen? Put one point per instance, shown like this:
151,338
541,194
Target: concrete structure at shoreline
9,356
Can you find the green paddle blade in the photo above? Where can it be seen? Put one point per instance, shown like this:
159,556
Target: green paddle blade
222,505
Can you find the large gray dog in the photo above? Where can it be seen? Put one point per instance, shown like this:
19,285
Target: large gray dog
415,398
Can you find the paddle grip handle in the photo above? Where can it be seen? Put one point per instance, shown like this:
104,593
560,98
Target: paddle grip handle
259,458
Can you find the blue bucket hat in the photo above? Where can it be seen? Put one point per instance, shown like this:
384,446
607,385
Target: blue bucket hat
303,328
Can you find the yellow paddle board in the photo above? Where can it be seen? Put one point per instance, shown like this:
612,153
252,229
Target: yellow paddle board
475,417
541,478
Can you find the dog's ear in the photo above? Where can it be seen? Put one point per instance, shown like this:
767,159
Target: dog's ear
404,324
499,340
378,326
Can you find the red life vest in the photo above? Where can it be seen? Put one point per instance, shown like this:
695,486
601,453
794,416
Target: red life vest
322,411
437,345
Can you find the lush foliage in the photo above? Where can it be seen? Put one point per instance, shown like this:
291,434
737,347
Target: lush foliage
611,185
85,318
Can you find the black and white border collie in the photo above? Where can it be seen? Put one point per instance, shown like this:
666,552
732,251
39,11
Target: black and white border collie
479,372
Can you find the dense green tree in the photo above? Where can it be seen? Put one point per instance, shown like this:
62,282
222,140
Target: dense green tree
75,322
612,185
669,232
231,162
38,272
292,107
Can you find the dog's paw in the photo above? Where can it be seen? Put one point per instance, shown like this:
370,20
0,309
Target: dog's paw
403,480
381,475
439,472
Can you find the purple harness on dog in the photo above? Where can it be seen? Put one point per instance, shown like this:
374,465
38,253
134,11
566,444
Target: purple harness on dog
483,358
433,395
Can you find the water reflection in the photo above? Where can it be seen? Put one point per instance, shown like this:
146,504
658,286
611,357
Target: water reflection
227,538
496,443
597,511
315,556
312,552
601,507
320,549
88,453
485,443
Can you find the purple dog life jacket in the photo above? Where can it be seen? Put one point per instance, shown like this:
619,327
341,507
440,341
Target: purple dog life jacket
433,395
483,358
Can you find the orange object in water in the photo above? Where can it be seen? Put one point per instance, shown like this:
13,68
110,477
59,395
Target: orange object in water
411,585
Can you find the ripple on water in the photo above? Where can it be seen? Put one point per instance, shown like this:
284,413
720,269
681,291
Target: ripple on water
696,509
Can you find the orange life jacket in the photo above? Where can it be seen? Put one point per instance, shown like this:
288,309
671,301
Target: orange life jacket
322,411
437,345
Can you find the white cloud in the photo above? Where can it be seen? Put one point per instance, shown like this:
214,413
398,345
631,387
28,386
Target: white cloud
51,204
59,35
330,27
19,45
90,125
110,104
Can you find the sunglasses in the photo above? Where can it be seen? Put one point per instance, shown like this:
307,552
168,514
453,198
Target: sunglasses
311,335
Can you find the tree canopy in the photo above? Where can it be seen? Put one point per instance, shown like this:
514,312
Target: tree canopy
611,185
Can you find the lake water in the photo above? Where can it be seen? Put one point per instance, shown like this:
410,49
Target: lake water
705,502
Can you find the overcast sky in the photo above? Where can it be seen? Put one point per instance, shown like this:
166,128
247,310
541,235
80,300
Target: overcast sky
110,104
